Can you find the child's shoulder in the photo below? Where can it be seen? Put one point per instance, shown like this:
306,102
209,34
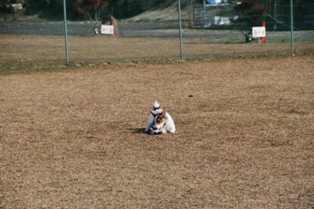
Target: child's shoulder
155,112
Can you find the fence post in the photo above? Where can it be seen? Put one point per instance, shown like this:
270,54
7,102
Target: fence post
65,33
291,26
275,15
180,29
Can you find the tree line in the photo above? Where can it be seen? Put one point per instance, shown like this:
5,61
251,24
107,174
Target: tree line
118,8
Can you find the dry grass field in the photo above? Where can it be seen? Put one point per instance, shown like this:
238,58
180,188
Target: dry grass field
72,137
42,50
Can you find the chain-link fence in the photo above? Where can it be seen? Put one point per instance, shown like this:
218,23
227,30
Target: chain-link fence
154,34
277,16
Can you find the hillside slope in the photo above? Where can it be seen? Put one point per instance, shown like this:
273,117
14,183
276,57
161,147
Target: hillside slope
168,13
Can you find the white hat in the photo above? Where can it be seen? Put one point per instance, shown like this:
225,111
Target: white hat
156,105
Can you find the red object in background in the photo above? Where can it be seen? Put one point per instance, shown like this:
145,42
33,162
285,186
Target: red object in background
111,19
263,38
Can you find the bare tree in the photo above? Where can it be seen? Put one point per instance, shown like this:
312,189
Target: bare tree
92,10
251,14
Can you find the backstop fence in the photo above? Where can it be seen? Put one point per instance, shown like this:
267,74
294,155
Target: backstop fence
277,15
154,35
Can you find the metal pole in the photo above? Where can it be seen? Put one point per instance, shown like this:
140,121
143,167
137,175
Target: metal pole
180,29
291,31
65,33
204,11
275,14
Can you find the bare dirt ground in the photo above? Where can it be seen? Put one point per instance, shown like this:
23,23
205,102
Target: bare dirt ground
71,137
